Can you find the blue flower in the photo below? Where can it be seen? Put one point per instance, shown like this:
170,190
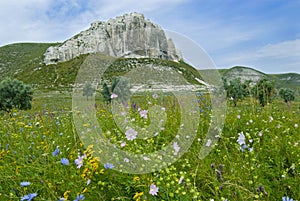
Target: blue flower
108,166
25,183
79,197
64,161
28,197
61,199
287,199
55,152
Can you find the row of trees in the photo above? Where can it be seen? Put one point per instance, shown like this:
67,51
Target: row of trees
263,91
16,94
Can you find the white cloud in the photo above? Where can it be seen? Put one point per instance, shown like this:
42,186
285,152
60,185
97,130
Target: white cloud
50,20
285,49
279,57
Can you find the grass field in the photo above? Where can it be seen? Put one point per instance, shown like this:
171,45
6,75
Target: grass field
257,156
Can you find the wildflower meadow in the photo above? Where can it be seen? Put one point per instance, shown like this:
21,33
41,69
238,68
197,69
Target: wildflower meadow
256,156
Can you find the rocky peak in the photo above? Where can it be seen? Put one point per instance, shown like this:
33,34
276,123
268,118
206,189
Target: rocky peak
129,35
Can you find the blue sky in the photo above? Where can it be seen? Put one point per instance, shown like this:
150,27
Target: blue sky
264,34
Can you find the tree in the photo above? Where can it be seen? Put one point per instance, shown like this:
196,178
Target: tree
120,87
15,94
287,95
88,90
236,90
263,91
105,93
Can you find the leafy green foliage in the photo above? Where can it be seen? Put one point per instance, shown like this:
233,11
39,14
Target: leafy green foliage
106,93
236,90
263,91
287,95
120,88
15,94
88,90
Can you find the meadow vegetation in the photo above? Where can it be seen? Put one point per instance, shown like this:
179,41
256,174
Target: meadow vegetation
257,156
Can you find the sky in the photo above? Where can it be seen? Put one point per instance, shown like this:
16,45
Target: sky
262,34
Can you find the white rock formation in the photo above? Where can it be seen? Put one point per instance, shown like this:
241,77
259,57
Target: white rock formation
130,35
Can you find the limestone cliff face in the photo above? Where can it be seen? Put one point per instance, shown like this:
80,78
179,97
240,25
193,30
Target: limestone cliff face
130,35
244,73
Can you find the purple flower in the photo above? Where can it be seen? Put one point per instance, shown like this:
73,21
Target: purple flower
64,161
28,197
143,114
25,183
79,161
55,152
108,166
79,197
176,148
130,134
241,139
153,189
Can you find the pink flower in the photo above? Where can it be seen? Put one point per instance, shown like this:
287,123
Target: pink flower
153,189
143,114
176,148
130,134
180,180
79,161
123,144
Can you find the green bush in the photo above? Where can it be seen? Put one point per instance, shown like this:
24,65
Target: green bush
15,94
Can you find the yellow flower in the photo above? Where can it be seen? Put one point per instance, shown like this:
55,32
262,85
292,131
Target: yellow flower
136,178
84,190
138,195
66,194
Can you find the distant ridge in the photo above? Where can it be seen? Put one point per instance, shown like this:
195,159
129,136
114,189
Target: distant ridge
287,80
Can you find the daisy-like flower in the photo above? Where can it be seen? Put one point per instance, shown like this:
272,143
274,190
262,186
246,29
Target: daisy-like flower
79,161
153,189
143,114
130,134
241,139
64,161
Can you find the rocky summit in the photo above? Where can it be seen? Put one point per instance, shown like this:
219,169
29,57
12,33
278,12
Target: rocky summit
129,36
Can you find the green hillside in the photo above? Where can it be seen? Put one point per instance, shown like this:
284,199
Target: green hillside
15,58
287,80
24,61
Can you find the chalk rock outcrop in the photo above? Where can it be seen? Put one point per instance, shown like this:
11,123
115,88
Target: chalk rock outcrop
130,36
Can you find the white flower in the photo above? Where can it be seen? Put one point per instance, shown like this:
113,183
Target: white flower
112,96
241,139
